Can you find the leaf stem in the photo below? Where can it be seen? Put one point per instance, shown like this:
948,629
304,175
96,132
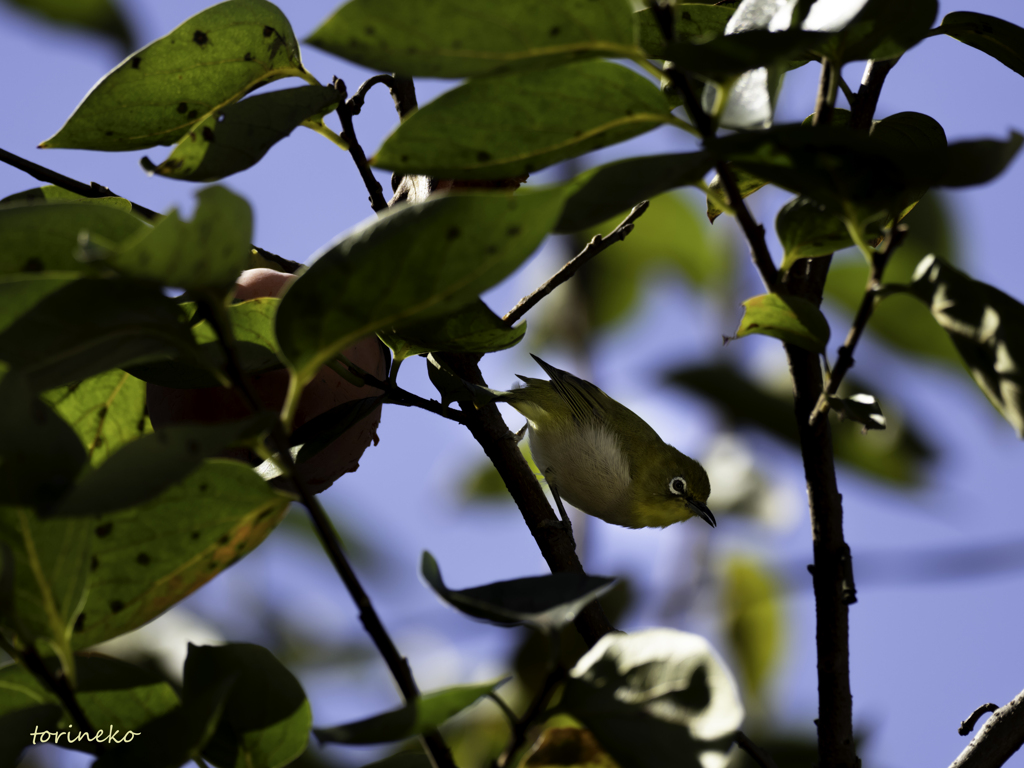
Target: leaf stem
594,247
533,712
758,755
319,127
395,395
57,683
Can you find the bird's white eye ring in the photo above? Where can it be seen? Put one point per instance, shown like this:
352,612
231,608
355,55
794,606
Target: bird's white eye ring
677,486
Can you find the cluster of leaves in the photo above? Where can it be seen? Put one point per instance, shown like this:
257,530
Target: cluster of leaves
105,523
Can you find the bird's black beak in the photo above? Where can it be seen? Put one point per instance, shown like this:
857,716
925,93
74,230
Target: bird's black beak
702,512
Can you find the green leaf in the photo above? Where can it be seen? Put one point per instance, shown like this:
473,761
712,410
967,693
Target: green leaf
174,739
898,456
238,136
52,194
41,237
266,718
16,730
146,559
655,697
115,696
880,29
464,38
85,326
987,327
157,94
807,229
424,713
105,411
998,38
414,261
669,238
863,409
602,192
40,455
747,183
695,23
900,320
754,621
474,329
253,325
977,162
509,125
725,58
51,573
210,251
403,760
790,318
546,603
142,469
102,16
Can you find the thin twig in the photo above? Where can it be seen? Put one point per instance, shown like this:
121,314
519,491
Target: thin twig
594,247
93,190
862,110
513,721
967,725
348,135
535,710
355,103
757,754
844,359
395,395
1000,736
397,664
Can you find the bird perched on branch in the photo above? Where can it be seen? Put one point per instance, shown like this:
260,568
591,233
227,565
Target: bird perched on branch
604,459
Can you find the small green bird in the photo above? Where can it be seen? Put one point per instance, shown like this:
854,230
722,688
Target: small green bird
604,459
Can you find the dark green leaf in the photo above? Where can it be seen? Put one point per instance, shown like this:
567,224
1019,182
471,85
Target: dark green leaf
610,189
881,29
40,454
425,713
863,409
415,261
987,327
754,621
39,237
115,696
210,251
174,739
238,136
790,318
266,719
102,16
807,229
655,697
473,328
694,23
1000,39
52,194
546,603
105,411
16,730
898,456
464,38
747,184
157,94
901,320
453,388
403,760
86,326
977,162
146,559
142,469
726,57
514,124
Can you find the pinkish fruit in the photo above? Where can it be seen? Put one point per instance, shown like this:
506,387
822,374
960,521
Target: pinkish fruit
215,404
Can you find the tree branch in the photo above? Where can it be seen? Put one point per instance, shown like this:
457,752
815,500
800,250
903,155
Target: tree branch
397,664
355,103
535,710
348,135
966,726
998,739
757,754
57,683
594,247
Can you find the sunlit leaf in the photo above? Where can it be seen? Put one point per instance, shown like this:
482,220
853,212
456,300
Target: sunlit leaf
158,93
513,124
876,29
543,602
792,319
238,136
473,329
464,38
747,184
53,194
861,408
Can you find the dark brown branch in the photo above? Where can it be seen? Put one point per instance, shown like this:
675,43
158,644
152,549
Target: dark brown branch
397,664
93,190
757,754
844,360
1000,737
355,103
57,683
348,135
594,247
533,712
966,726
395,395
862,111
